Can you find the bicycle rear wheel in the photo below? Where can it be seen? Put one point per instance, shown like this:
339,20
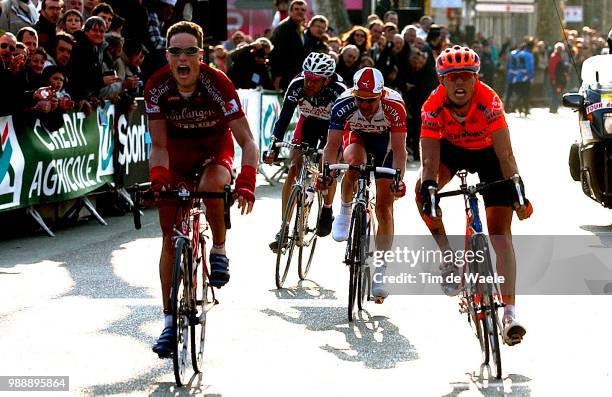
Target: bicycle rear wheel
179,300
200,294
354,252
308,236
288,233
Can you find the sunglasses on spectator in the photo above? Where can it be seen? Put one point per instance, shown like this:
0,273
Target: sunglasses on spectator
459,75
190,51
10,47
366,100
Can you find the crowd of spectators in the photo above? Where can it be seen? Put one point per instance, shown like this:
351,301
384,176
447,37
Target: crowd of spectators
522,73
59,55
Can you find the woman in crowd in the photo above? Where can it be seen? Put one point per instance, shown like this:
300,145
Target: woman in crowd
359,37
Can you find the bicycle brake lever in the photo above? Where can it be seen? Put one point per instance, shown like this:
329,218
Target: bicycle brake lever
432,197
516,179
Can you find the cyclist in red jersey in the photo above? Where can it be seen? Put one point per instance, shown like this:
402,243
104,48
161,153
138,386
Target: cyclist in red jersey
464,128
191,109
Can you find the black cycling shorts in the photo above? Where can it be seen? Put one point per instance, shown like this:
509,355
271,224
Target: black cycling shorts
312,131
485,163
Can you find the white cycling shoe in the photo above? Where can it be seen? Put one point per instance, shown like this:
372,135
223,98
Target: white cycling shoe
379,291
341,226
513,332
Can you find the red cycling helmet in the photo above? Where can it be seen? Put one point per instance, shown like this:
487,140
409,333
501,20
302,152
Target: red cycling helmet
456,59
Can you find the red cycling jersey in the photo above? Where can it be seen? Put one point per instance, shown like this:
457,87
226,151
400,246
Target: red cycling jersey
485,116
196,125
204,113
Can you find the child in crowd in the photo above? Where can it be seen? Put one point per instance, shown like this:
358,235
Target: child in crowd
70,21
51,100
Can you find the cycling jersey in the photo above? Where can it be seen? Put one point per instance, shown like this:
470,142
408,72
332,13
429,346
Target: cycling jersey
485,116
197,130
205,113
317,107
390,116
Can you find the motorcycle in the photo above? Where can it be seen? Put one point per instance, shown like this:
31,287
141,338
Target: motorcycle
590,159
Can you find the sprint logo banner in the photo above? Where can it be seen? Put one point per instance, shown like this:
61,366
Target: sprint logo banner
12,164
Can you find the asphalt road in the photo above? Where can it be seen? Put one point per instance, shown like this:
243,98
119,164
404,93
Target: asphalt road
86,304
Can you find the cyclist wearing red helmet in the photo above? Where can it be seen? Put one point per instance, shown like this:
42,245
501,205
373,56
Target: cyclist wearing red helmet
368,119
464,128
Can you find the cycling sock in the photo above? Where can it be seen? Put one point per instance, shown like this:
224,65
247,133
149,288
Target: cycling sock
327,205
167,320
346,208
509,311
218,249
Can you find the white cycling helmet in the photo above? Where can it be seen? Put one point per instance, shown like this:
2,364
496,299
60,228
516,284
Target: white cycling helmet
319,64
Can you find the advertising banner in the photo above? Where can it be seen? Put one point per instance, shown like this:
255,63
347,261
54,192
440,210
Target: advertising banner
38,165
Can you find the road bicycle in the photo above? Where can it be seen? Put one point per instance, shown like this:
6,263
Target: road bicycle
191,295
300,216
480,300
359,246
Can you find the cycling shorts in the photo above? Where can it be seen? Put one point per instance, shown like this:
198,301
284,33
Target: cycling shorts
375,145
312,131
189,155
485,163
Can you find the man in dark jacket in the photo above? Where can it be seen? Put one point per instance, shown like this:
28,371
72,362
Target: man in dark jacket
250,65
288,39
50,11
313,36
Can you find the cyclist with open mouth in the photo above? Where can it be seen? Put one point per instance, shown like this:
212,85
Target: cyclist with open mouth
193,113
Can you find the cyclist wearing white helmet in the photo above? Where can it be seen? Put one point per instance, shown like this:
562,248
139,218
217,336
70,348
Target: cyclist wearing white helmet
314,92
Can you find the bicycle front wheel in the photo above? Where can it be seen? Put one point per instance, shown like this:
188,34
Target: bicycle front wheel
200,293
179,300
489,305
308,237
354,254
288,236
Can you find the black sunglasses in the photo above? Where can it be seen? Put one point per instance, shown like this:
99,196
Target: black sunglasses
366,100
187,51
10,47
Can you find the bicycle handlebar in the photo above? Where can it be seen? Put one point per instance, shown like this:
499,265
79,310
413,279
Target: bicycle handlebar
301,146
363,170
479,188
181,194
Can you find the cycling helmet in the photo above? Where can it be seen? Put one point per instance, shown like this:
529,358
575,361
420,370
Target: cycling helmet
457,58
368,83
319,64
610,40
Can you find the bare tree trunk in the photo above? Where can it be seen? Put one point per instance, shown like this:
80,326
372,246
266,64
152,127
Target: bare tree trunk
335,11
549,28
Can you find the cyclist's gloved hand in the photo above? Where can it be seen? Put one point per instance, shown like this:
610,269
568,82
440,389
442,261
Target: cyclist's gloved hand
324,181
425,198
245,188
270,156
525,211
399,190
160,178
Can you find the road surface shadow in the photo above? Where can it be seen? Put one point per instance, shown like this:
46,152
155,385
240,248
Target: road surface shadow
512,385
306,289
194,387
373,340
603,232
